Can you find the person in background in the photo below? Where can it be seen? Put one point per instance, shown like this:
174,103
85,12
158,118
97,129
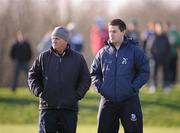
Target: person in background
147,39
76,39
20,54
161,54
98,35
174,40
132,31
60,78
118,71
45,43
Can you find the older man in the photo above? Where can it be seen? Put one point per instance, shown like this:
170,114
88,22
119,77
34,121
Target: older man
60,78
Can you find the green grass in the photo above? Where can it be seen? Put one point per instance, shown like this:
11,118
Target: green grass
161,109
81,129
19,111
18,108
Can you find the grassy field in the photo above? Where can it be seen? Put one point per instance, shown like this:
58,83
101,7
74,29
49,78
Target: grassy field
81,129
19,111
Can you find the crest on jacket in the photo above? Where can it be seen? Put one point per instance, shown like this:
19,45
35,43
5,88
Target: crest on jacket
124,61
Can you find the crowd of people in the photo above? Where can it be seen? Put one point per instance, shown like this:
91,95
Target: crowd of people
161,43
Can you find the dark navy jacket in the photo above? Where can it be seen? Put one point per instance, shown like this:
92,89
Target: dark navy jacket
21,51
119,74
161,49
59,81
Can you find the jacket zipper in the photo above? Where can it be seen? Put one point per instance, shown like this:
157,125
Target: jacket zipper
60,60
115,75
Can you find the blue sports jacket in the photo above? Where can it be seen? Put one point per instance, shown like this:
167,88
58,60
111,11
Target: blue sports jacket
119,74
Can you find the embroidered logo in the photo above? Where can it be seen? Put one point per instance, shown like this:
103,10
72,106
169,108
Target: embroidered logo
133,117
108,61
124,60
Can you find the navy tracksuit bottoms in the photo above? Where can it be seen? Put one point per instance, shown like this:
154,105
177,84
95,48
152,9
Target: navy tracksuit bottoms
57,121
127,112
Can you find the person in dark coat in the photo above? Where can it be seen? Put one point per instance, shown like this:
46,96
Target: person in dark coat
20,54
118,71
161,54
60,78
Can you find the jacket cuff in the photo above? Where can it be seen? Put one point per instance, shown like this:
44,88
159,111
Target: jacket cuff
98,85
37,92
134,88
79,97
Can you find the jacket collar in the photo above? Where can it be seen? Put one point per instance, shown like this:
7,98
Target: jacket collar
66,51
123,44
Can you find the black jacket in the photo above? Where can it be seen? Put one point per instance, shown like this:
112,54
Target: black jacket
161,49
21,51
59,80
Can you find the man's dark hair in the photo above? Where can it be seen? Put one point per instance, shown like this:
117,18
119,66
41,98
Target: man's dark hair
118,22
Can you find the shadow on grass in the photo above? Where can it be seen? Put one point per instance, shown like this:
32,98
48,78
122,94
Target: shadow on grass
92,97
18,101
173,106
89,107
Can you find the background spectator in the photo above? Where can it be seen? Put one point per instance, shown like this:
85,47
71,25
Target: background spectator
45,43
161,55
76,39
99,34
20,54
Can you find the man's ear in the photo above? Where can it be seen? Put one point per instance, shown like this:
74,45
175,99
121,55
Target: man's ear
125,31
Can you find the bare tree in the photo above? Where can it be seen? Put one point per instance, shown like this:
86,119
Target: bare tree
34,18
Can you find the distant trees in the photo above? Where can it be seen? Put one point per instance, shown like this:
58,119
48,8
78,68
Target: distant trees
36,17
33,18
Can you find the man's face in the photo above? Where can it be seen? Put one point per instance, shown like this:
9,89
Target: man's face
158,29
58,44
115,35
20,36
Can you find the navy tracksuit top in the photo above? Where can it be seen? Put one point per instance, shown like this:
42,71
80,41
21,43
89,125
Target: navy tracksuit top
119,74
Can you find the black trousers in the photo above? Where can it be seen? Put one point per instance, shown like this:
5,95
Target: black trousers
128,113
165,67
173,69
57,121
